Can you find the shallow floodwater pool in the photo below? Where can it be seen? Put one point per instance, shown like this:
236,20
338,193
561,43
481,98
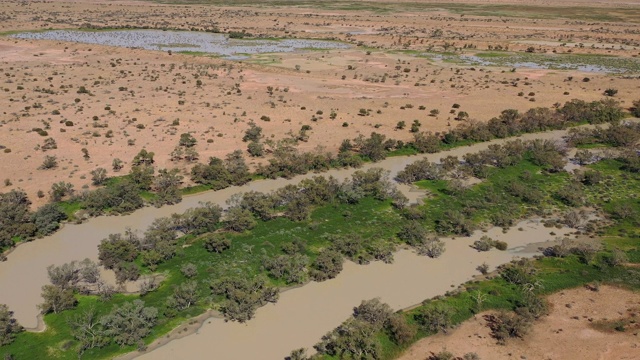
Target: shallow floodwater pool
183,41
584,63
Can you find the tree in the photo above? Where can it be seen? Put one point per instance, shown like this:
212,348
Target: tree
426,142
189,270
47,219
9,327
65,276
413,233
572,194
214,174
373,311
239,219
216,243
297,354
126,271
129,322
353,339
14,217
161,237
584,157
237,168
400,331
49,143
199,220
98,176
291,268
116,165
57,299
167,187
89,271
505,325
86,328
253,133
187,140
184,295
454,222
177,154
142,176
117,248
191,155
327,265
144,157
435,318
373,147
60,189
122,197
255,149
484,244
243,295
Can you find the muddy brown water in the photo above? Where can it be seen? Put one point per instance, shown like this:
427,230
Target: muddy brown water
303,315
24,272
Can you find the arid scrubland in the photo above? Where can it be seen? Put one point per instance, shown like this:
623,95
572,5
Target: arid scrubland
87,105
141,126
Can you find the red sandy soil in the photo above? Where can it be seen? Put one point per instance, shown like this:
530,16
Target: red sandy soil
571,331
143,88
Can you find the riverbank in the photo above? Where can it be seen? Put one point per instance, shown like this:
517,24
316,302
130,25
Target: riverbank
302,315
28,262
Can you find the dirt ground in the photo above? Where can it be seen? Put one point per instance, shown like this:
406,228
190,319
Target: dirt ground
580,326
145,99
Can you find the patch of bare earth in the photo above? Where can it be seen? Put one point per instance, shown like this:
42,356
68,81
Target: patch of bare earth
581,325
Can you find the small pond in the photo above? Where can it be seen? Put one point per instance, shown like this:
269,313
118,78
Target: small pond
183,41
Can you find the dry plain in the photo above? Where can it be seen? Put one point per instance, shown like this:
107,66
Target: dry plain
139,99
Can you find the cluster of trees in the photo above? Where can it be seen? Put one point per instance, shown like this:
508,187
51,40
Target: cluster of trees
546,153
530,307
417,236
286,161
504,202
295,202
617,135
68,279
158,244
243,296
511,122
126,324
124,195
356,338
119,198
124,252
219,174
18,222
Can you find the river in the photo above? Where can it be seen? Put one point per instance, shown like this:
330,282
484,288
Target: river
24,272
